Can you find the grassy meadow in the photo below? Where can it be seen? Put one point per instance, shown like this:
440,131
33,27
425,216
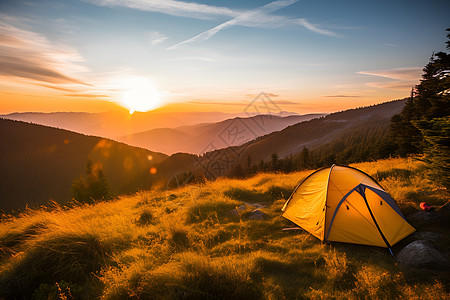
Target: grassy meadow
186,243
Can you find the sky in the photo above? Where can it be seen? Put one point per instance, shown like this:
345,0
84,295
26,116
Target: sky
307,56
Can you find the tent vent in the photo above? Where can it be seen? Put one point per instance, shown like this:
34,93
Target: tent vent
381,202
347,207
317,223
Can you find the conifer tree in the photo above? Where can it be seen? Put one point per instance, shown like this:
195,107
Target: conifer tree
91,187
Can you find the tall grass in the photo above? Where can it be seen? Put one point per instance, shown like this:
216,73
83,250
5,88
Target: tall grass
188,243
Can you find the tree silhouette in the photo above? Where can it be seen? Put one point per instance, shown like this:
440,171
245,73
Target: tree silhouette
423,124
91,187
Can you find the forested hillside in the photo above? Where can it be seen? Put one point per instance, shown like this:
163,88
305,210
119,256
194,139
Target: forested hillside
38,164
353,135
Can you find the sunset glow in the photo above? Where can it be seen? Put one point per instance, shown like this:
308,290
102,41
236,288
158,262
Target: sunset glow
91,56
140,94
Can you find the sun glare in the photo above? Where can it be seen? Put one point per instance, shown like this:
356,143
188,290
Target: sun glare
140,94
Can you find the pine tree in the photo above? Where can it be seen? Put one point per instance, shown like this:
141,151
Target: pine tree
423,124
91,187
437,150
275,162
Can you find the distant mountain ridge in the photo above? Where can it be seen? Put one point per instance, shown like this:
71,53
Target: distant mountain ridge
311,134
120,123
201,138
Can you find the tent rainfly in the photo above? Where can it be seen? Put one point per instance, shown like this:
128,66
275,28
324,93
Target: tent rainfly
344,204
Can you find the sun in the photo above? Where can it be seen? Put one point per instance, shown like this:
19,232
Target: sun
140,94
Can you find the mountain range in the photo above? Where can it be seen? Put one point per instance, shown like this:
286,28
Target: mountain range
311,134
201,138
52,158
115,124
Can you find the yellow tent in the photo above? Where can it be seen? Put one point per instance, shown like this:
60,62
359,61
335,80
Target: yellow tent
344,204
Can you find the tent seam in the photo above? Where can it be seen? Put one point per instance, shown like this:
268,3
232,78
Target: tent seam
326,200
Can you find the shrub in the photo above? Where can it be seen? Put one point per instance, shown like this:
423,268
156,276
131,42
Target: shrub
215,211
70,258
145,218
401,174
179,239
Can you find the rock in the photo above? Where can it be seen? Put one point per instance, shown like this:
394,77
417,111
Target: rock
421,217
238,210
257,215
257,205
421,254
426,235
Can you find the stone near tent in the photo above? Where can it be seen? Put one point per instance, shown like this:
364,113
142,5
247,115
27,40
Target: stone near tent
424,217
256,215
421,254
427,235
238,210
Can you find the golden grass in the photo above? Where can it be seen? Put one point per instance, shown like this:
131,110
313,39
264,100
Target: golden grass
185,243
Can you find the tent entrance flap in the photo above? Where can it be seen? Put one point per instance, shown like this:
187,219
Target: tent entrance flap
361,189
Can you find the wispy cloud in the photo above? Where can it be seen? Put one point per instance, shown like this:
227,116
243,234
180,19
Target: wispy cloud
57,88
403,78
315,28
390,45
156,37
259,17
171,7
193,58
87,95
28,55
408,73
342,96
267,94
249,15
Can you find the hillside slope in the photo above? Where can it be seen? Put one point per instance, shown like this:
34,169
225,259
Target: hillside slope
312,134
320,131
39,163
199,242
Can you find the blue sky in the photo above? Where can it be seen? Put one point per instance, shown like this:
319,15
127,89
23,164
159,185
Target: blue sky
311,56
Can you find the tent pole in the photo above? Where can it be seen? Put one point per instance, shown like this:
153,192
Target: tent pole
390,250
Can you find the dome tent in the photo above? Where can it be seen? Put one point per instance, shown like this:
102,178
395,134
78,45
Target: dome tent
344,204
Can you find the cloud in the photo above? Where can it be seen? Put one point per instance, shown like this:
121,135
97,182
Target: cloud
262,10
409,73
57,88
394,85
267,94
218,103
390,45
316,29
87,95
258,17
403,78
192,58
171,7
30,56
342,96
156,37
